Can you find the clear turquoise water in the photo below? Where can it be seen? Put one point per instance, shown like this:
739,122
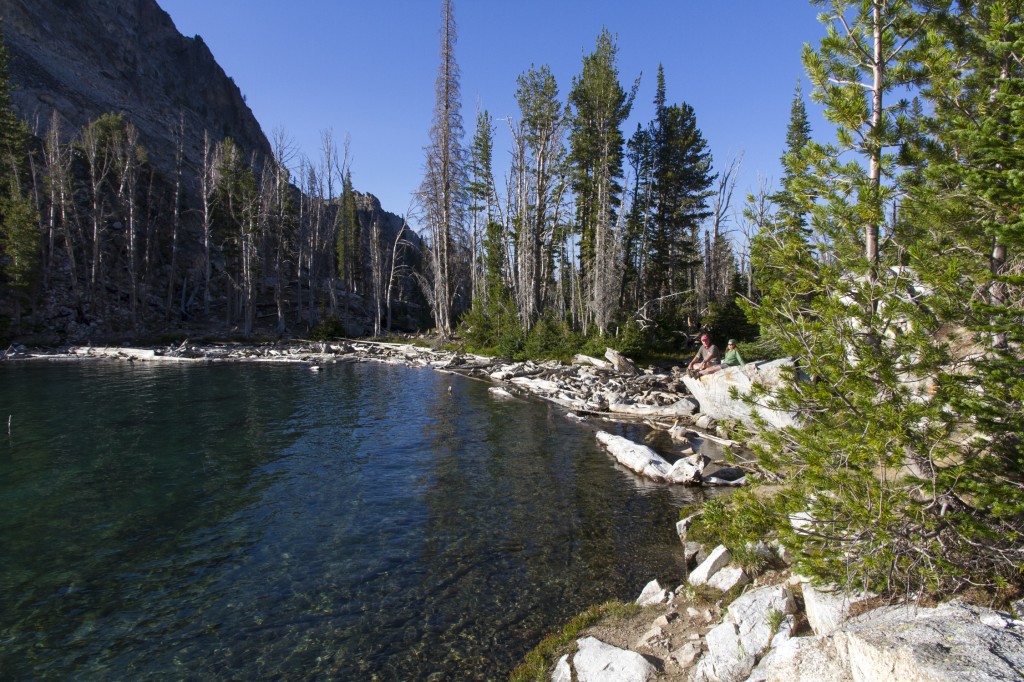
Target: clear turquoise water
268,522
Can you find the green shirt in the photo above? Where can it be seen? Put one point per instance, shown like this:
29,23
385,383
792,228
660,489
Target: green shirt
732,358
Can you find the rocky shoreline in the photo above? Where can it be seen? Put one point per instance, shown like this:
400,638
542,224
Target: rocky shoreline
778,627
781,628
592,389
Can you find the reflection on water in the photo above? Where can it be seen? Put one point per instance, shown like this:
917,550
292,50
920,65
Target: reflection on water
251,521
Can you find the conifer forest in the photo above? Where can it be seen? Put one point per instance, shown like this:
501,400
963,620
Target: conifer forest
886,261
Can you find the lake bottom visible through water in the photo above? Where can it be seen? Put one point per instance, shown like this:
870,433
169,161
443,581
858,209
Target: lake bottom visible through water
253,521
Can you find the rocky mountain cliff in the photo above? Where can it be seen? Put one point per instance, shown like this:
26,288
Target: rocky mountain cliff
120,259
84,58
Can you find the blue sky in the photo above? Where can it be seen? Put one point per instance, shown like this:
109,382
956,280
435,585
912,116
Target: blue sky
367,70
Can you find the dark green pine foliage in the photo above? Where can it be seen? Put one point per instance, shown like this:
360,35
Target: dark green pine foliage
349,240
20,237
599,106
793,204
482,205
682,185
491,324
871,469
969,197
640,157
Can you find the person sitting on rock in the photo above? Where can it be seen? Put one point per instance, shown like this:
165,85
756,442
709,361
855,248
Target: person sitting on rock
707,358
732,355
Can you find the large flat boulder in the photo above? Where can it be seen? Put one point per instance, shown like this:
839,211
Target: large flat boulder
953,641
713,392
948,643
596,661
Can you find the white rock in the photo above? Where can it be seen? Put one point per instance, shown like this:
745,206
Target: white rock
716,561
753,612
596,661
994,620
728,578
683,527
828,609
802,659
666,618
654,633
712,391
562,671
686,654
652,594
725,660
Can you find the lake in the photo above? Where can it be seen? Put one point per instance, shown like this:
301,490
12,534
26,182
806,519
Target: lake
257,521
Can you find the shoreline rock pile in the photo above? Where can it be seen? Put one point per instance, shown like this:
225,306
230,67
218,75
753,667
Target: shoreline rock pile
781,628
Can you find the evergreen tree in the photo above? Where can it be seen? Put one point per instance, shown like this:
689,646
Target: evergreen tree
483,207
682,185
862,466
599,105
542,139
20,238
443,192
968,207
349,242
792,206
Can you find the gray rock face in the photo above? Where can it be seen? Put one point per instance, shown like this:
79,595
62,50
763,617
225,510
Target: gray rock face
712,391
947,643
802,659
746,632
596,661
827,610
84,59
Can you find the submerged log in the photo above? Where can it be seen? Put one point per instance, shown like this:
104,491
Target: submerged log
637,458
646,462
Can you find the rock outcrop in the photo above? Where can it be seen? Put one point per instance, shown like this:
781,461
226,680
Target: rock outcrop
83,59
714,392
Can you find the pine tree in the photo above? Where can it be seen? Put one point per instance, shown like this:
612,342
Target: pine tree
862,465
20,238
967,207
349,242
682,185
792,206
599,106
543,157
443,192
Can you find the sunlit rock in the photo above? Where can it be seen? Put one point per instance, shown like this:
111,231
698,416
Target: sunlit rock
713,392
596,661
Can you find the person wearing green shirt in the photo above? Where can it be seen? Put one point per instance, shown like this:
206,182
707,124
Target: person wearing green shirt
732,355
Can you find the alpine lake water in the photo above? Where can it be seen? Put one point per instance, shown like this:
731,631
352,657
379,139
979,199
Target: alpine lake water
256,521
